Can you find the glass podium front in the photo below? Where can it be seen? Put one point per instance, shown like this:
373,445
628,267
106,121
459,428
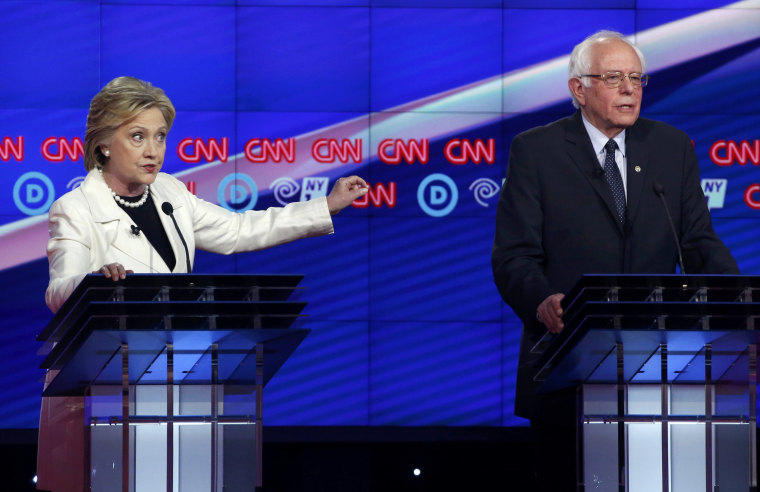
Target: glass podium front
172,369
666,371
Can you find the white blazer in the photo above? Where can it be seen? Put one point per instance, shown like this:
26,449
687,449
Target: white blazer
88,230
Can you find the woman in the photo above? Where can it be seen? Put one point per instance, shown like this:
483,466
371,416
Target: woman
117,222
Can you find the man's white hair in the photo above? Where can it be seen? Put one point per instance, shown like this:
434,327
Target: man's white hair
580,58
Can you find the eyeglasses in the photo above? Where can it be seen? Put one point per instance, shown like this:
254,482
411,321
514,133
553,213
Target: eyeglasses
614,79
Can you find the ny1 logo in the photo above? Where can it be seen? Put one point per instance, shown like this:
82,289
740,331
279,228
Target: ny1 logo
715,192
285,189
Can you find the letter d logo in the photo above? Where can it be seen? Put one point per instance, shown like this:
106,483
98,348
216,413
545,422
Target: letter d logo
437,195
33,193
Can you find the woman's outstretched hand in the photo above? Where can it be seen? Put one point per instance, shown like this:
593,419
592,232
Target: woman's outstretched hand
344,192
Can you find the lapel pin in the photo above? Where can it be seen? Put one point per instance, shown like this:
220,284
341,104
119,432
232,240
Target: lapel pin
637,169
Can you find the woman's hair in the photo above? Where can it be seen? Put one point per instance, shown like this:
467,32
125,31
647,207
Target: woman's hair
580,58
119,102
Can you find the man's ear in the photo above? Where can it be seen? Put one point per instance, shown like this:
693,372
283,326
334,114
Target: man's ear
578,90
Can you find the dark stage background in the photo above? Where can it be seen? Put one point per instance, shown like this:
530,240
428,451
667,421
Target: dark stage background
277,99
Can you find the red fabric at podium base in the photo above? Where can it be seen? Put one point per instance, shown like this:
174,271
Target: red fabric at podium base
61,446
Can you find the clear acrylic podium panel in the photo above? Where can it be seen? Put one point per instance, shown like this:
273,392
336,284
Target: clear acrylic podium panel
700,385
687,445
202,452
173,368
193,415
671,359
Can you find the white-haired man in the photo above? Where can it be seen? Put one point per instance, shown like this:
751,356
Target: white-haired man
579,199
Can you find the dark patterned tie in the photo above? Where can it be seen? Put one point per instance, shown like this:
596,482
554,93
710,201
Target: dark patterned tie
614,180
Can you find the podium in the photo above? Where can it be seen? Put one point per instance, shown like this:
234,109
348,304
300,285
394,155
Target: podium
172,369
666,371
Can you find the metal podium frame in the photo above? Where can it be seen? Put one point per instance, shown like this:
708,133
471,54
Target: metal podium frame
673,358
165,336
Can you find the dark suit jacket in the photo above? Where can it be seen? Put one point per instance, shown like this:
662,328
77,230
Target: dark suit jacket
556,220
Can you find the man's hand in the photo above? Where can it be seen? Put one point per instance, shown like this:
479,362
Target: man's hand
549,313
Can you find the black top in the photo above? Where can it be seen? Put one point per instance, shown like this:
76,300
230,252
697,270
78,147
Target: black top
149,223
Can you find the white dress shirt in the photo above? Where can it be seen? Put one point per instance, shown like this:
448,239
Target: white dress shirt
599,140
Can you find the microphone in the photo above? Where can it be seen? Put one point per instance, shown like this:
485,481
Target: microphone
135,230
598,171
169,210
660,192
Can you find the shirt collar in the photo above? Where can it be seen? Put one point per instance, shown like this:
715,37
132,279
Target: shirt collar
599,139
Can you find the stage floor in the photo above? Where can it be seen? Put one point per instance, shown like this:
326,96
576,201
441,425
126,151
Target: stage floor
352,459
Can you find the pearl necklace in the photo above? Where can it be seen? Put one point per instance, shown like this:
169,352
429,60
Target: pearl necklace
123,202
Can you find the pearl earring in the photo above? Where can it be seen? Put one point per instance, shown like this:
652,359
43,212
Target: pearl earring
107,153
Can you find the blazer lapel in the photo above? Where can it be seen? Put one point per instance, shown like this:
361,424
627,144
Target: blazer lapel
106,212
159,197
582,154
637,158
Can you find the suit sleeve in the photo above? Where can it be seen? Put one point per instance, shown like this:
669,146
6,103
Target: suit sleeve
518,257
68,251
703,250
219,230
225,232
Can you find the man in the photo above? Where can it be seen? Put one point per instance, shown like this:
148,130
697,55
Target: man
579,199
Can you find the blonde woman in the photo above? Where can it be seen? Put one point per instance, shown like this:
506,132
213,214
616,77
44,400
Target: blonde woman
118,222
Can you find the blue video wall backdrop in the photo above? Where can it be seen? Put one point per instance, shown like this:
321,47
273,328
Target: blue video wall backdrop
277,99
